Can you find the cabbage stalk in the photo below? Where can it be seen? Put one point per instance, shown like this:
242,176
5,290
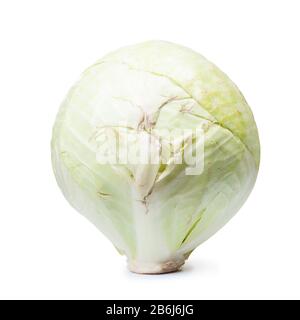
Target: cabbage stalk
155,214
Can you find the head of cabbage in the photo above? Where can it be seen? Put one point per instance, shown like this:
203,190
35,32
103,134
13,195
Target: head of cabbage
155,213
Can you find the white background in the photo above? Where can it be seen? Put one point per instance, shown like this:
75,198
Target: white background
47,250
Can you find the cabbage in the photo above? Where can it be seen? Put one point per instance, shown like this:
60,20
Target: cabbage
155,213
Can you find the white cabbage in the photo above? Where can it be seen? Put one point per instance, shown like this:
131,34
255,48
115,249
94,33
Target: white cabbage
155,214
